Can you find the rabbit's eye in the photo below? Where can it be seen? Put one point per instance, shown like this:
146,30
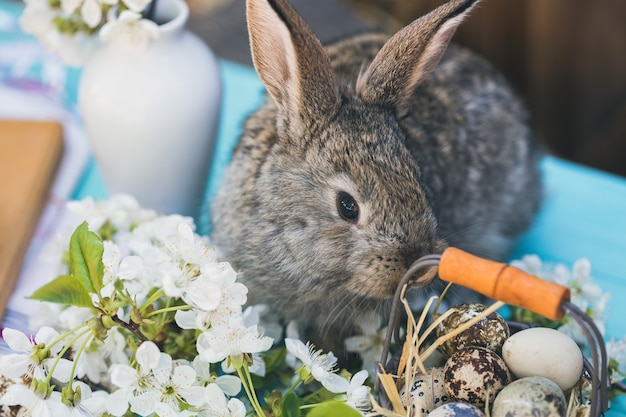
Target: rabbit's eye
347,207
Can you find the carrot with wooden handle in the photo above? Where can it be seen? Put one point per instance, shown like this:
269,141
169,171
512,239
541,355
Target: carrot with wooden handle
503,282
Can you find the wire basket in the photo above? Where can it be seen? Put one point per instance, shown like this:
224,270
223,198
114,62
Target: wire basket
513,286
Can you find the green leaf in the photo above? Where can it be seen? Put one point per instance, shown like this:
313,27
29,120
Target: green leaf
333,409
291,405
86,250
64,290
107,231
322,395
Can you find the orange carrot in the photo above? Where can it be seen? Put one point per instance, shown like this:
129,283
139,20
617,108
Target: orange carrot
503,282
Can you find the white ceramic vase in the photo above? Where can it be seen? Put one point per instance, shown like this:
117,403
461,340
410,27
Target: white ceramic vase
151,114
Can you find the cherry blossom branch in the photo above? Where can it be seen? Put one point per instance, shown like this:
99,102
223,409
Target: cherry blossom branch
133,328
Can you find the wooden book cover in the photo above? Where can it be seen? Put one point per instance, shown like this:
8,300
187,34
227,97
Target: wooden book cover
30,152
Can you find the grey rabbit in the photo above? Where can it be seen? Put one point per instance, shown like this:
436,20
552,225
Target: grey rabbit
368,154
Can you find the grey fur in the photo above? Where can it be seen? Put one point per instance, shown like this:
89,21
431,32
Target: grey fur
434,157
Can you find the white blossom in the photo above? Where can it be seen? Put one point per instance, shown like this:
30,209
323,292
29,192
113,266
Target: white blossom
67,28
178,385
18,394
198,291
230,384
91,12
368,344
46,315
114,347
257,367
228,311
186,247
193,274
358,394
531,264
219,406
122,211
26,363
267,320
138,387
165,410
117,268
38,20
130,30
186,319
155,231
72,317
234,294
91,362
616,351
136,5
129,269
218,344
320,365
70,6
292,332
89,403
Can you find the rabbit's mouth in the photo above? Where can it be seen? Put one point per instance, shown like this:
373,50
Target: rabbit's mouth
422,278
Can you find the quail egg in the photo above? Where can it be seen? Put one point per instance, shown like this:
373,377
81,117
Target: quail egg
475,375
457,409
532,396
427,391
490,332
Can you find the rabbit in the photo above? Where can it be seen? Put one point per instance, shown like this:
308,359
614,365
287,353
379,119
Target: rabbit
367,154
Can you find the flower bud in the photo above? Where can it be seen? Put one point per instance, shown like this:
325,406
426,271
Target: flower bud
42,388
108,322
70,397
97,326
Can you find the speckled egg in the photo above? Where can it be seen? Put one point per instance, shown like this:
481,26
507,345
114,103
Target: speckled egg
474,374
490,332
541,351
533,396
457,409
427,391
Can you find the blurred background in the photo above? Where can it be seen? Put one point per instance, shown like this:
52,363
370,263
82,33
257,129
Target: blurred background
566,58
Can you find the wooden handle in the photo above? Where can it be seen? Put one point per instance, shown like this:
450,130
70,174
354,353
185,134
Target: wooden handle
503,282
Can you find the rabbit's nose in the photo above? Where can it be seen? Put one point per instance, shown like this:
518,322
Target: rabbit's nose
412,254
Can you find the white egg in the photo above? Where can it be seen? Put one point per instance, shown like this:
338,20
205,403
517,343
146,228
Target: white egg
534,396
540,351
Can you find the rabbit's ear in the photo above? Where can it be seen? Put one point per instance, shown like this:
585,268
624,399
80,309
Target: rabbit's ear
410,55
291,63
